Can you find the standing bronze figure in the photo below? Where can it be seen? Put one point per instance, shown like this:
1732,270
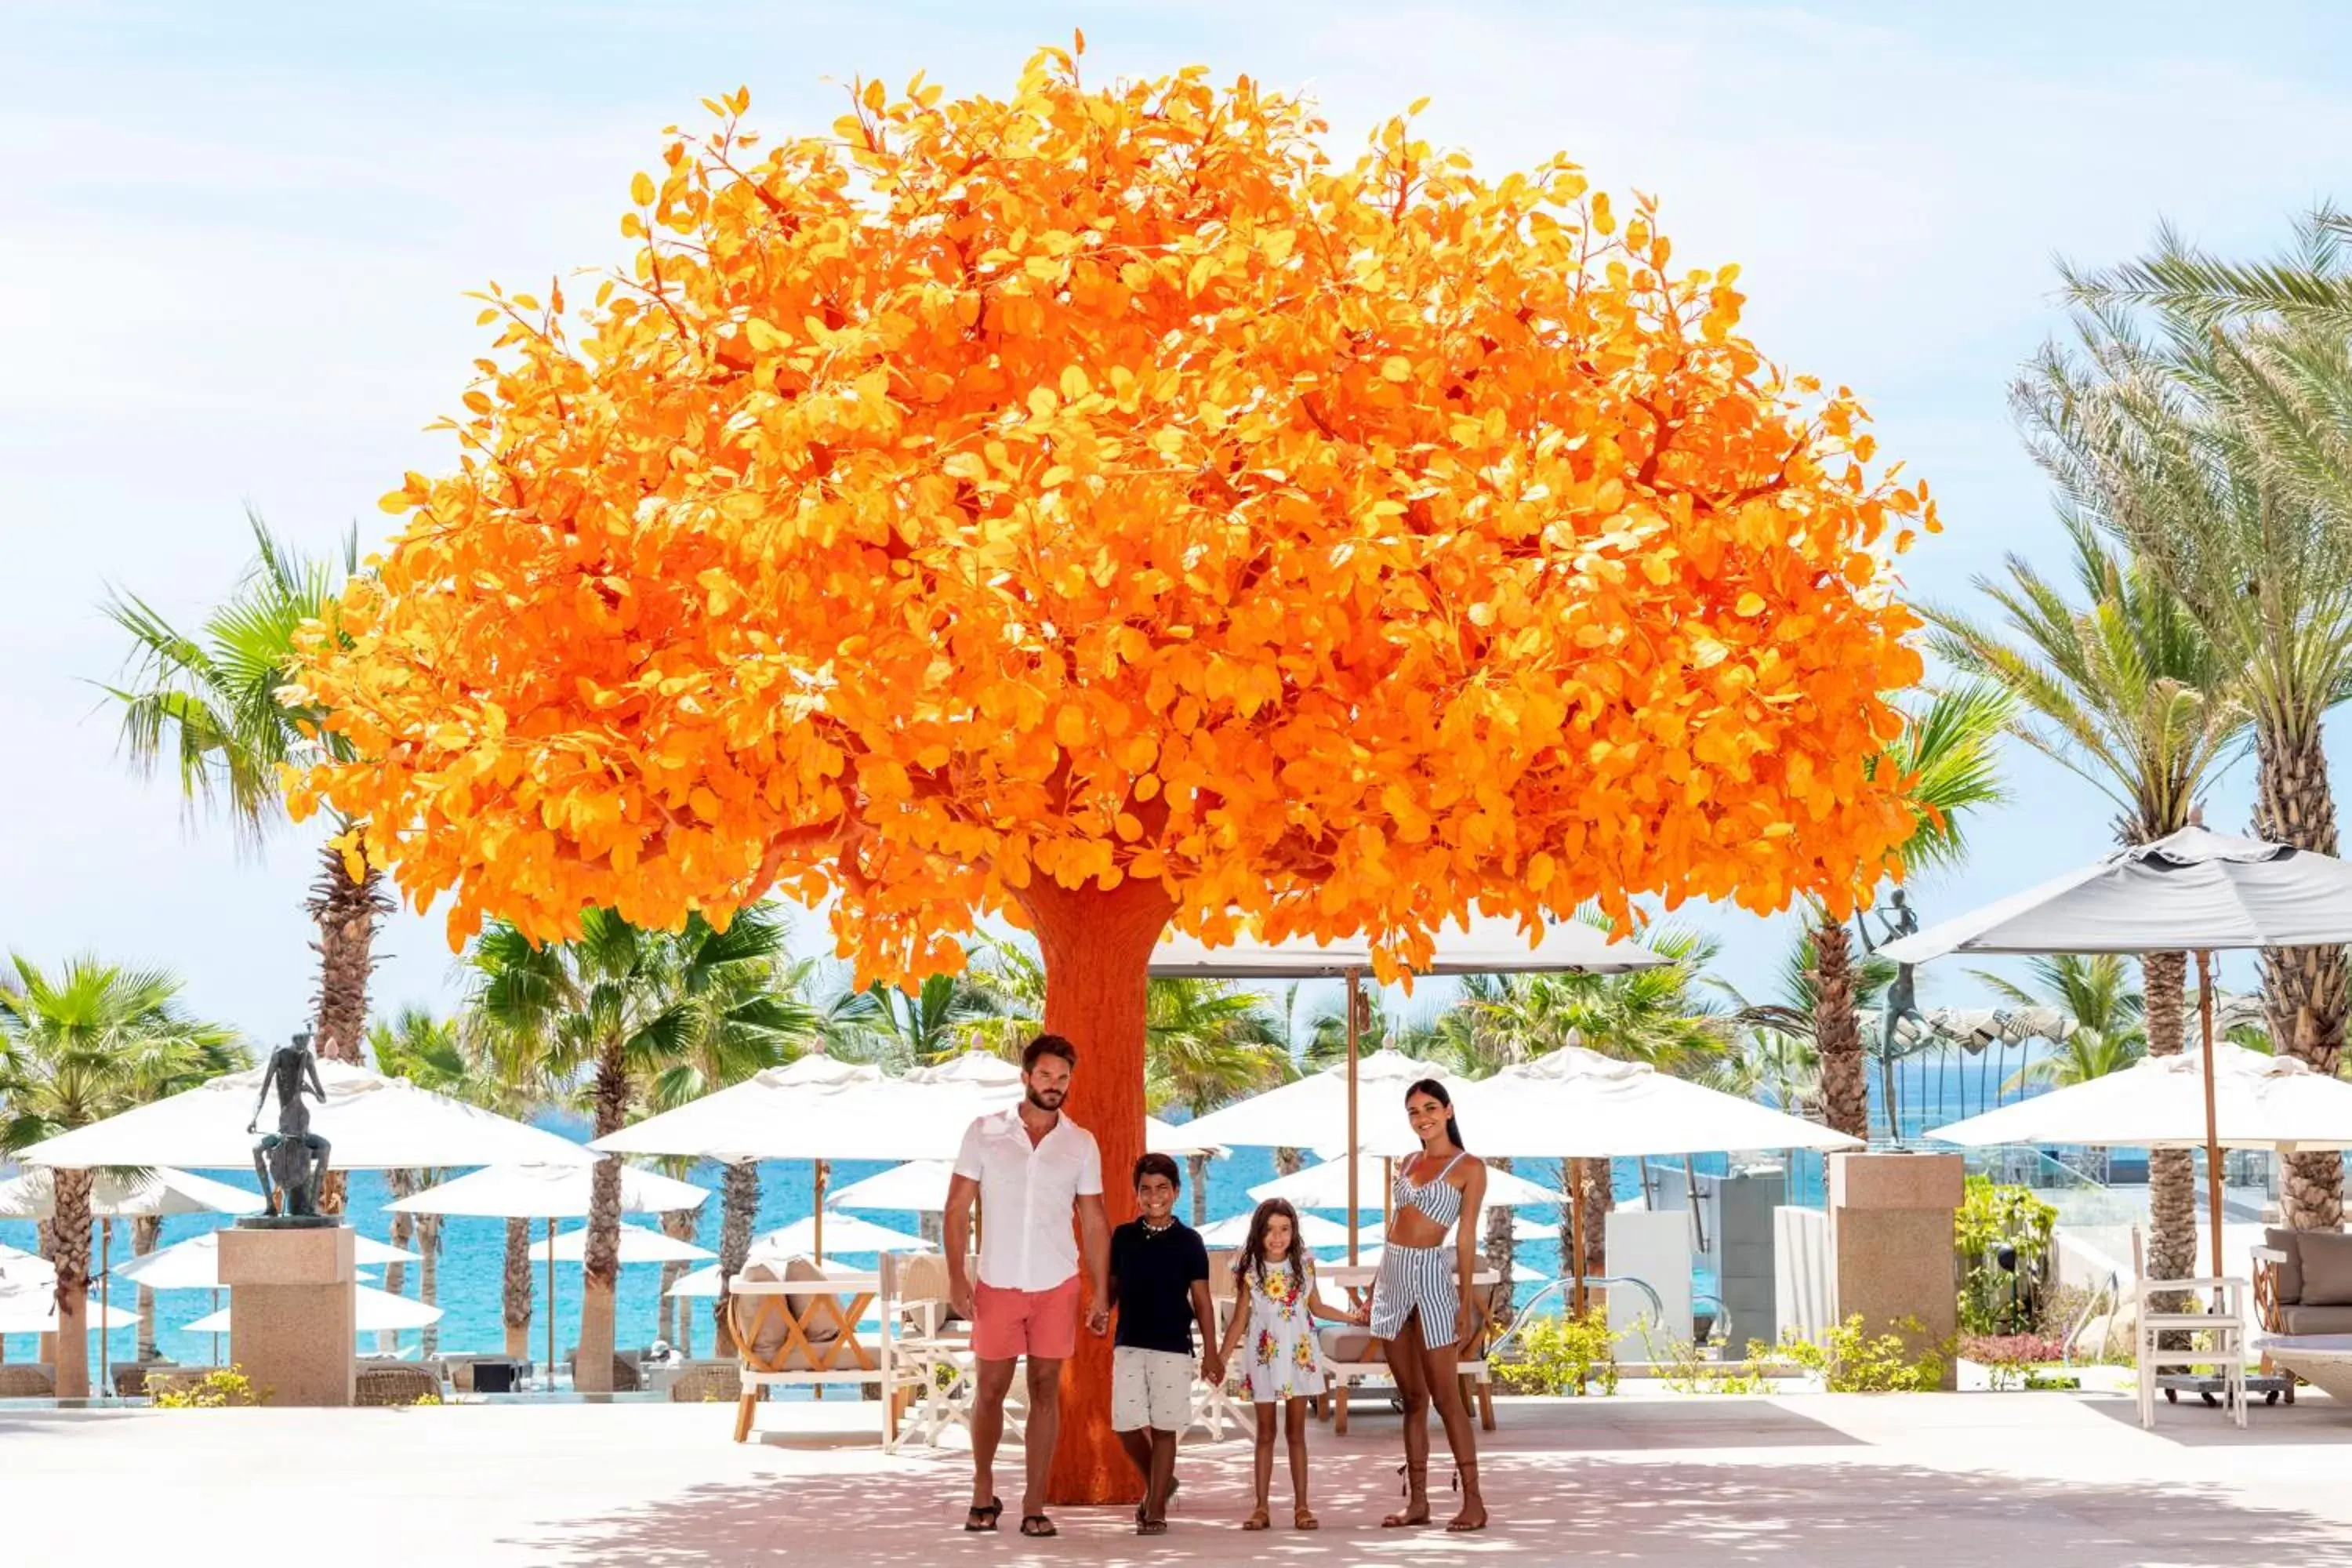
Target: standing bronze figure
292,1160
1901,1000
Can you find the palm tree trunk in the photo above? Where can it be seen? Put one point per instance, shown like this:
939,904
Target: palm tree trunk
1288,1162
347,913
70,1254
2171,1172
591,1371
146,1234
2303,987
1600,1197
739,1201
429,1279
1498,1239
1196,1172
399,1185
1846,1087
516,1297
678,1225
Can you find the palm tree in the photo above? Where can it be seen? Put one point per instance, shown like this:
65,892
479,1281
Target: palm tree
2079,1058
2124,689
1949,749
2218,452
216,703
622,1010
91,1041
1657,1017
1205,1044
429,1053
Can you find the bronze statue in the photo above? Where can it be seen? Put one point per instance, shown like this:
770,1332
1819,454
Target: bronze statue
1901,999
292,1160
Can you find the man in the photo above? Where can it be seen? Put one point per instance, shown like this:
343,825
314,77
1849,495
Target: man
1032,1168
1159,1283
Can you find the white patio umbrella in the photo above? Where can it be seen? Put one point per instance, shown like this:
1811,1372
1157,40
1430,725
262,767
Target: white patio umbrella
1481,944
372,1310
1327,1186
549,1193
843,1233
16,1265
2158,1102
921,1186
372,1123
638,1243
30,1305
195,1264
149,1194
1318,1231
2193,890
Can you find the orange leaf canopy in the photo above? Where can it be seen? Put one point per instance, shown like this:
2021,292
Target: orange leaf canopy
1102,487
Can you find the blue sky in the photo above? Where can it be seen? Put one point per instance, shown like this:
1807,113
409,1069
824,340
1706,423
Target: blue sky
237,238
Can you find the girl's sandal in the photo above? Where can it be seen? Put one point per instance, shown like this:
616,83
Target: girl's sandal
1303,1517
977,1519
1258,1520
1037,1524
1150,1526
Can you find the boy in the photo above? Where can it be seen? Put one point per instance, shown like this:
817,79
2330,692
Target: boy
1159,1282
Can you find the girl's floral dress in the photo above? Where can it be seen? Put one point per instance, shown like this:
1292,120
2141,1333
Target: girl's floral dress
1282,1362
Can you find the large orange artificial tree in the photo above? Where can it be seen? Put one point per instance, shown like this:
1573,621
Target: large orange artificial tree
1097,509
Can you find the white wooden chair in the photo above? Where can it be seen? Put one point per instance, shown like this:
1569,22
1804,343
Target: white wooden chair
2224,1332
1213,1405
934,1375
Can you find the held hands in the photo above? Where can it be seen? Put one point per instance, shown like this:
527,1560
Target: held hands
1098,1317
1213,1369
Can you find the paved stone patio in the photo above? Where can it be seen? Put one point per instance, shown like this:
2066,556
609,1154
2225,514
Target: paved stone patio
2019,1480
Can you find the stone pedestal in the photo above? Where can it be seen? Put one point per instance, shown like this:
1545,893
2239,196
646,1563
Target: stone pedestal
1891,1245
290,1327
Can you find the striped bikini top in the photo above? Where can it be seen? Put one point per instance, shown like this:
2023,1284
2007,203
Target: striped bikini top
1436,1197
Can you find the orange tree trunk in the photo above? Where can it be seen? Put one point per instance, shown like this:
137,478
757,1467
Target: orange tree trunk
1098,951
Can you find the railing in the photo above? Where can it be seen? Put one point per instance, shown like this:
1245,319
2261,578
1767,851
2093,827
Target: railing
1528,1313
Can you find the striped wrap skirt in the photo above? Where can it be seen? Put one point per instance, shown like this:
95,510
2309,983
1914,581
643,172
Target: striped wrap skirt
1416,1278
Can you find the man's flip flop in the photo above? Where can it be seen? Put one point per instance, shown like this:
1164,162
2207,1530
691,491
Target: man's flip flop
977,1519
1037,1524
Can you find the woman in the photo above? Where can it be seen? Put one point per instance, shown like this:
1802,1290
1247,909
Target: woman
1425,1308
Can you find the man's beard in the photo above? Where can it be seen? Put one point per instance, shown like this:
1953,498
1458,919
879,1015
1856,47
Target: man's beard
1042,1103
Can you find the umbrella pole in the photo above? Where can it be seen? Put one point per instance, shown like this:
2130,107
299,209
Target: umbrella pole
1354,1219
2212,1126
819,1217
1576,1233
105,1273
550,1303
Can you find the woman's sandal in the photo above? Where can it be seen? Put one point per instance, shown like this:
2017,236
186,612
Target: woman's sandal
1303,1517
1413,1512
1462,1524
1257,1520
1037,1524
977,1519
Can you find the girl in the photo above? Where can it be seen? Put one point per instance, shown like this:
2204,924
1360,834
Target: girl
1424,1308
1274,1279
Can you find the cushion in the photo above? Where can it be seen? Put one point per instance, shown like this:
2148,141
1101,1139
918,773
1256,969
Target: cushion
2327,1257
1348,1342
2299,1321
820,1328
2290,1273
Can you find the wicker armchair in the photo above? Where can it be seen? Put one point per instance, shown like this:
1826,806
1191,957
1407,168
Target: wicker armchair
381,1386
27,1383
708,1382
625,1377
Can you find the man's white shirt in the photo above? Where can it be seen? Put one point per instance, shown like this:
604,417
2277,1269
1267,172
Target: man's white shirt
1027,1198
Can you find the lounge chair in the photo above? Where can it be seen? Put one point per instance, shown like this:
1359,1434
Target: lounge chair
790,1325
26,1382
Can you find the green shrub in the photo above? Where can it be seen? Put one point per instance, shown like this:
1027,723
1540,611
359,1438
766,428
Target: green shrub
223,1387
1993,1300
1849,1361
1683,1371
1562,1355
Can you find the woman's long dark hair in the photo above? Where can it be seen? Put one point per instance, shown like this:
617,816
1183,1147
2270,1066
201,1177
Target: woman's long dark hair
1252,1256
1436,1091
